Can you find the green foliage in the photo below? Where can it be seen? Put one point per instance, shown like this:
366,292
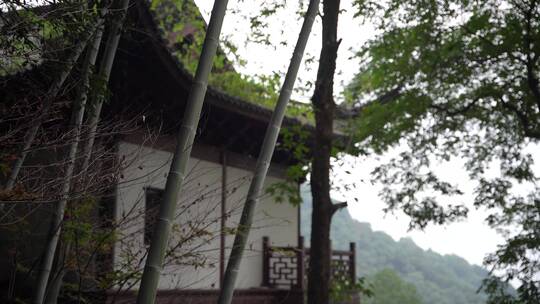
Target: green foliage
437,279
293,139
29,37
457,79
284,191
389,287
80,229
383,125
344,291
23,35
184,28
261,89
259,22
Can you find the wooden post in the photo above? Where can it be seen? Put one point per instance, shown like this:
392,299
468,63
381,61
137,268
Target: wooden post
266,262
352,262
331,269
300,263
299,215
223,216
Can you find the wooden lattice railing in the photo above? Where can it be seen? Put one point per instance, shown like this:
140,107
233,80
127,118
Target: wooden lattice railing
287,267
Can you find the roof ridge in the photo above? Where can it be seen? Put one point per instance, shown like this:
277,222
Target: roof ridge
216,92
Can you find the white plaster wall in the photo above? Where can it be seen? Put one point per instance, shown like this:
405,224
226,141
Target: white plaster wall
278,221
198,213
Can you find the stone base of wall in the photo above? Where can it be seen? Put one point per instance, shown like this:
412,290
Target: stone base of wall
202,296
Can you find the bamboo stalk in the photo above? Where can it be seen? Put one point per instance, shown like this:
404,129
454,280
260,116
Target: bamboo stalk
77,117
76,121
154,262
31,133
105,69
265,158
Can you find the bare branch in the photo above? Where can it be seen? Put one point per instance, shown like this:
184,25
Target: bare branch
339,206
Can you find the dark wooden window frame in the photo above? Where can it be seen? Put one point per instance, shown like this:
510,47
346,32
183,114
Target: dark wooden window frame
152,200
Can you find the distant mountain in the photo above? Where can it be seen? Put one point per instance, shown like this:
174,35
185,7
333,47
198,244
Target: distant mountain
439,279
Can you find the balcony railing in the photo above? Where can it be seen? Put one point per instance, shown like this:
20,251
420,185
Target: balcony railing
287,267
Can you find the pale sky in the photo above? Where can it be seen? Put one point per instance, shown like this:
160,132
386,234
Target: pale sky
471,239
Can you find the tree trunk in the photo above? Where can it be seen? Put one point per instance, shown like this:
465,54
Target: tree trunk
76,122
176,175
55,281
265,158
105,68
323,209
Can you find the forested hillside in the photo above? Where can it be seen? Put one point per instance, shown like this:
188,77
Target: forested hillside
439,279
